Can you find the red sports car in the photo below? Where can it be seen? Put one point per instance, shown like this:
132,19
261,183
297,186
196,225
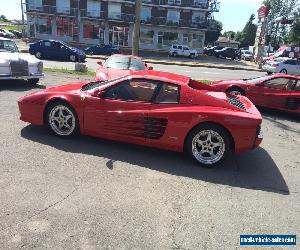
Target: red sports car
150,108
278,91
119,65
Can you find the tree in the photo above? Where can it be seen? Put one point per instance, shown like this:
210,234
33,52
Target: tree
230,34
247,36
212,35
279,9
3,18
294,35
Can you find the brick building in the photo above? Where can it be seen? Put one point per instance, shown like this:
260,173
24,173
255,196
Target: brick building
164,22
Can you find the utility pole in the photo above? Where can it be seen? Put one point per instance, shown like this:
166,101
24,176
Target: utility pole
137,27
23,21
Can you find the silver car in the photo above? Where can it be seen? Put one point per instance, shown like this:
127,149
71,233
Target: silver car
283,65
16,65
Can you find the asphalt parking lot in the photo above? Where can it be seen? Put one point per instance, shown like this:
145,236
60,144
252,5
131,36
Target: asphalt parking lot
88,193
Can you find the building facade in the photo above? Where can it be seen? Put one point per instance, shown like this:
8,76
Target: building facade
163,22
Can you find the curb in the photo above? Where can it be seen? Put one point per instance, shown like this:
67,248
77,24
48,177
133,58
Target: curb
177,63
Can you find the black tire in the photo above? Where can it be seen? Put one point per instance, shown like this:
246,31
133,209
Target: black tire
33,81
269,73
236,91
283,71
226,147
47,118
192,56
73,58
174,54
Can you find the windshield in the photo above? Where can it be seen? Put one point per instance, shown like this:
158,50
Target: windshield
124,63
8,45
92,85
258,79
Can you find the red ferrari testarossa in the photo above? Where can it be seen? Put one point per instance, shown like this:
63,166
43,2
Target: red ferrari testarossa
150,108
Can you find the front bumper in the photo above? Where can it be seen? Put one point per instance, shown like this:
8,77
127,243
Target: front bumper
31,76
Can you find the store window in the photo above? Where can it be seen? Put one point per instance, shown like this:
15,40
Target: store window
66,27
93,8
146,36
44,26
167,38
93,31
198,17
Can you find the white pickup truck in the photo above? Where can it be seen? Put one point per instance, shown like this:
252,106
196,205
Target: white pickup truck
182,50
15,65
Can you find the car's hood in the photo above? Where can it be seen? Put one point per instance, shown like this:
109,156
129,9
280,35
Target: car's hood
67,87
111,74
5,57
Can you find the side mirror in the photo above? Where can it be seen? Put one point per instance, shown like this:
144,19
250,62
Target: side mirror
100,63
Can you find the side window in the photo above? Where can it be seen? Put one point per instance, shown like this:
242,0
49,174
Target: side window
277,83
47,44
174,46
291,62
291,84
168,93
185,48
135,90
297,86
180,47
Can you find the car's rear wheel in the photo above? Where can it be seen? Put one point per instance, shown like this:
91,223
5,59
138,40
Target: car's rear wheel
72,58
208,145
235,91
192,56
38,55
174,54
33,81
90,53
283,71
62,120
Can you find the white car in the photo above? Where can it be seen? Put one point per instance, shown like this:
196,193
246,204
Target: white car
182,50
283,65
16,65
246,55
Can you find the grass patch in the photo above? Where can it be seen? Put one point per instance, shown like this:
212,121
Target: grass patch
70,71
205,81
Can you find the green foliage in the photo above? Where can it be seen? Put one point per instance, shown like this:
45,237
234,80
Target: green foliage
213,35
294,35
279,8
230,34
3,18
247,36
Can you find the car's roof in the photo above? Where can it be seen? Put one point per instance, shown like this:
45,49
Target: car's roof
129,56
5,39
161,76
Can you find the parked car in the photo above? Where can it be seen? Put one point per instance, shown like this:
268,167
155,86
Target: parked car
15,65
7,34
291,52
182,50
119,65
56,50
17,34
283,65
210,51
227,53
102,50
151,108
246,55
278,91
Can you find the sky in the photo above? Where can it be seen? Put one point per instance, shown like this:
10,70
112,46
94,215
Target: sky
233,13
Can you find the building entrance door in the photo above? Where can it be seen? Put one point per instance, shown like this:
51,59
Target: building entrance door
118,36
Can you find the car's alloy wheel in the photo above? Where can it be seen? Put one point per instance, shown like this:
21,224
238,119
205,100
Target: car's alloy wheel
235,91
283,71
38,55
208,145
175,54
72,58
62,120
33,81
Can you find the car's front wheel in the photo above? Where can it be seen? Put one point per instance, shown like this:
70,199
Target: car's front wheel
62,120
283,71
72,58
208,145
38,55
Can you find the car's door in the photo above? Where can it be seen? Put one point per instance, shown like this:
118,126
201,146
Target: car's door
274,93
165,120
55,50
180,50
291,66
186,51
121,110
45,49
